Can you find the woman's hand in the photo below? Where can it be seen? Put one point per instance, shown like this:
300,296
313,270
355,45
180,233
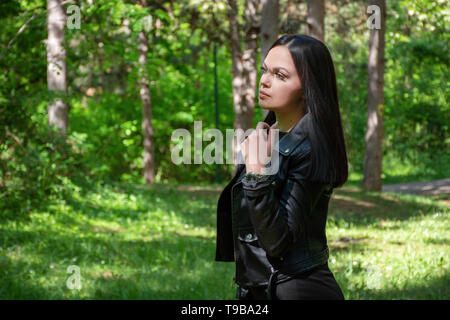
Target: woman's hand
256,160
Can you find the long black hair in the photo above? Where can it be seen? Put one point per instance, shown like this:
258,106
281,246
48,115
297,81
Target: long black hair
324,129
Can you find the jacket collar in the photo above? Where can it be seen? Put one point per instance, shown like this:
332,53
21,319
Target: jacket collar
293,137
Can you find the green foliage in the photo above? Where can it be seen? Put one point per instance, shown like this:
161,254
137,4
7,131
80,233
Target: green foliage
35,171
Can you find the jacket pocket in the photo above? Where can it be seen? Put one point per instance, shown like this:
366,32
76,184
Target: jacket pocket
253,268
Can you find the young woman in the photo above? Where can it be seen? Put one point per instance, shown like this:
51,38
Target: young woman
272,225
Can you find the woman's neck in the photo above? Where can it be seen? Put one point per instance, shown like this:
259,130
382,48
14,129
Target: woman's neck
287,120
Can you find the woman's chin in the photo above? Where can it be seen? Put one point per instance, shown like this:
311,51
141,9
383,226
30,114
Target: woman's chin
266,106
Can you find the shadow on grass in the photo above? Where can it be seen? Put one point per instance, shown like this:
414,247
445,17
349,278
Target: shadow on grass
361,207
14,281
169,267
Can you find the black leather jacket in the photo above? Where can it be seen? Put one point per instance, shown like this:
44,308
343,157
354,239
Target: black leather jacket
274,228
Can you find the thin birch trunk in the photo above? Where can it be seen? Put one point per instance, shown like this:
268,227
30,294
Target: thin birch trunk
374,135
147,128
58,110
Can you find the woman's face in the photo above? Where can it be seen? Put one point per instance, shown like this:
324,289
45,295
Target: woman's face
279,79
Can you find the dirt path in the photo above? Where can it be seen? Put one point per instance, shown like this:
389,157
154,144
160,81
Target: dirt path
433,187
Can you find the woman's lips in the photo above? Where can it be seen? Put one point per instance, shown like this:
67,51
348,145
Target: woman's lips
262,94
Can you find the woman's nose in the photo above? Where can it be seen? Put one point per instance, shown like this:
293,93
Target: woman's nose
265,81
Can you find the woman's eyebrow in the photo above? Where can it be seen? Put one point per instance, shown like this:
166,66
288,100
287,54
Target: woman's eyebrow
277,68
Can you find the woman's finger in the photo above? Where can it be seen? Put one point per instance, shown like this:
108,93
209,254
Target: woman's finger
262,125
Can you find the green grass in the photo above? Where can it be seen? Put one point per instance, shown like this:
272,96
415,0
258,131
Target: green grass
136,242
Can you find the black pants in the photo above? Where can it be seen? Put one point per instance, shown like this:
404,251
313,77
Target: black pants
315,284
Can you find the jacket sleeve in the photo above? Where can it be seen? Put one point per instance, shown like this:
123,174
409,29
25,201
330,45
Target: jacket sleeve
278,221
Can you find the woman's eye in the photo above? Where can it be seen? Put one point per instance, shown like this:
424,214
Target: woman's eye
279,75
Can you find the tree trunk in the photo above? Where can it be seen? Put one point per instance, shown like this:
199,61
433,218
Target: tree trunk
147,129
269,29
374,135
58,110
244,64
315,20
